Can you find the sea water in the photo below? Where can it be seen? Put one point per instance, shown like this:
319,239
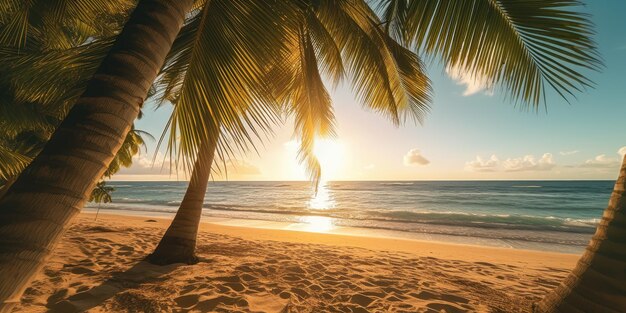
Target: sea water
545,215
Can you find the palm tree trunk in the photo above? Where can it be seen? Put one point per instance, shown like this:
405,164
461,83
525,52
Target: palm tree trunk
37,209
598,283
6,186
178,244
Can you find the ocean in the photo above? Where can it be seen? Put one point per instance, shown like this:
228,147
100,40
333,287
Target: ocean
540,215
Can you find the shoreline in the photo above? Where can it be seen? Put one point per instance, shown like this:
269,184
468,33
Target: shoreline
345,236
318,224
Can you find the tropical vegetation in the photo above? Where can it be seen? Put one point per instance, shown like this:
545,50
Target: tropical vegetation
230,82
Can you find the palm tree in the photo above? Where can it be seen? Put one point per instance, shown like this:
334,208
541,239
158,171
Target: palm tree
518,45
102,193
36,209
215,109
597,283
524,54
50,44
297,83
393,83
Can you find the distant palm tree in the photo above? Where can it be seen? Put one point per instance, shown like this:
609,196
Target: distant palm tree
598,282
102,193
518,45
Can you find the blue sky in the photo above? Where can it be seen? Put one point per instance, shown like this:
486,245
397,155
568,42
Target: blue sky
477,136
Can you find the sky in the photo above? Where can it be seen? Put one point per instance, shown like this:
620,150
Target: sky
470,133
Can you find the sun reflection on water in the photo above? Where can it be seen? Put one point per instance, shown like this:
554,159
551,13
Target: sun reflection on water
323,200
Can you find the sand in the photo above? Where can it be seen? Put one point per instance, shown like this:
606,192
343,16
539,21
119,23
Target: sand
98,267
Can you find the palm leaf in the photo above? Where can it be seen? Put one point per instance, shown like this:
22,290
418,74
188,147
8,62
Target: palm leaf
520,45
215,75
12,163
338,37
59,23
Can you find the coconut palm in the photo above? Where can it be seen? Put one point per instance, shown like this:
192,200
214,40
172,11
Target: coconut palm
597,283
28,119
200,76
101,194
521,46
53,188
298,85
59,24
387,76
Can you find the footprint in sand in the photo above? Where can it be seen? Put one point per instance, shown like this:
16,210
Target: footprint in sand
187,300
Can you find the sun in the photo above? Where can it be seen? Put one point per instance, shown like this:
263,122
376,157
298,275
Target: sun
330,154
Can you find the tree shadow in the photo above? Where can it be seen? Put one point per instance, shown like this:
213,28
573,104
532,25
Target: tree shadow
140,273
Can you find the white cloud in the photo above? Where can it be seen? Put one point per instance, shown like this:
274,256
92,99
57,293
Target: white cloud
568,152
480,165
529,163
474,83
525,163
414,158
601,161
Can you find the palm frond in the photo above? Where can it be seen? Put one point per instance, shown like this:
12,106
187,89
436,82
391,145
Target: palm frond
59,23
215,75
520,45
334,33
379,67
12,163
311,104
54,77
101,193
130,147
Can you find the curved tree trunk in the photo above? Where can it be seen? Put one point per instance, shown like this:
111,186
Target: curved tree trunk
6,186
598,283
178,245
54,187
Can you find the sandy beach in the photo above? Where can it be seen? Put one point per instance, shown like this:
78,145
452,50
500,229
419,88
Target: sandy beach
98,268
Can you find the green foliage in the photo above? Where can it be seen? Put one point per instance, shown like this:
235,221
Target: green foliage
101,193
344,38
59,24
46,63
237,68
215,76
226,77
521,45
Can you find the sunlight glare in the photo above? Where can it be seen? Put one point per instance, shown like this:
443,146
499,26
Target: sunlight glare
318,224
330,154
323,200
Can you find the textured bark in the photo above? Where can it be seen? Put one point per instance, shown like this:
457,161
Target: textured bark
178,245
54,187
598,282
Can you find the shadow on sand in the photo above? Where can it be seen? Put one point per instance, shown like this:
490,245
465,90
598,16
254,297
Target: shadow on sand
141,273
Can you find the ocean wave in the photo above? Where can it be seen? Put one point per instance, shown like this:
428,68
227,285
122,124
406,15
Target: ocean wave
397,184
526,186
450,218
500,221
